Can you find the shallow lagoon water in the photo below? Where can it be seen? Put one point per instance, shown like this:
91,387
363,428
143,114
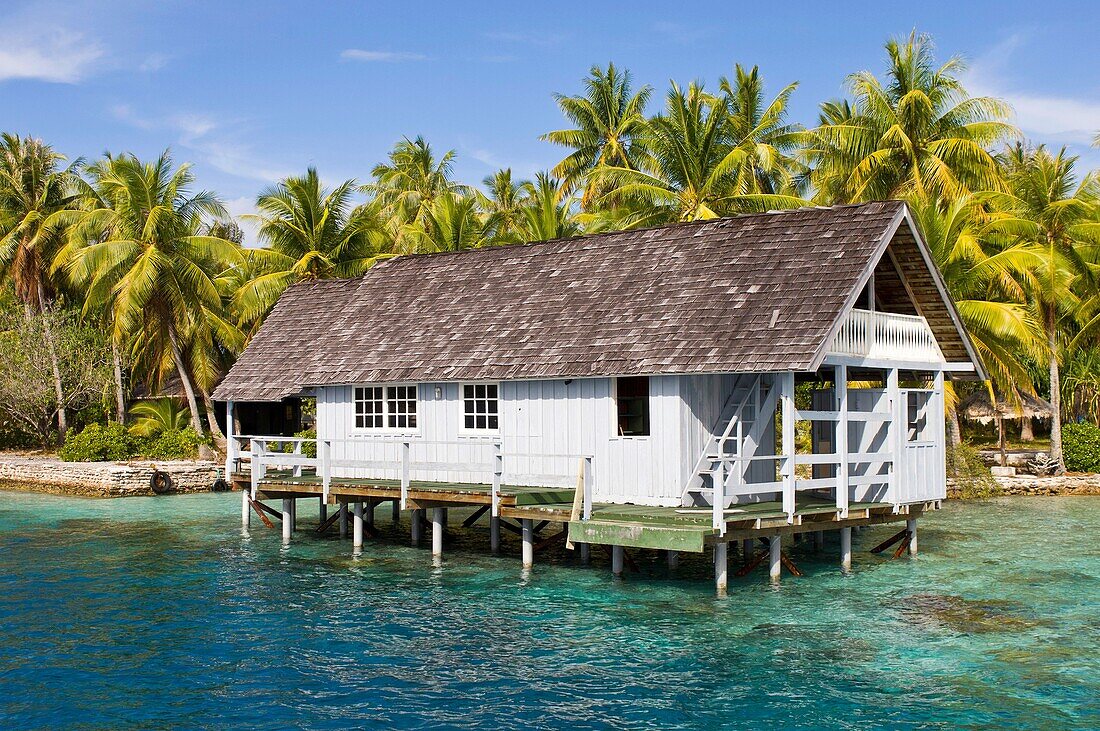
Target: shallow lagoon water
162,613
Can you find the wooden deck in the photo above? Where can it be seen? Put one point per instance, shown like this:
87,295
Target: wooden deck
638,526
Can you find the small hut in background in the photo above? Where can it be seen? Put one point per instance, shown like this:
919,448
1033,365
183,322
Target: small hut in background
1024,407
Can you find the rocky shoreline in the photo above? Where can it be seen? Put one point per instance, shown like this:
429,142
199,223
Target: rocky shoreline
1074,484
102,479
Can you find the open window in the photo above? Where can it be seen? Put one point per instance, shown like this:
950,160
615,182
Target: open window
632,406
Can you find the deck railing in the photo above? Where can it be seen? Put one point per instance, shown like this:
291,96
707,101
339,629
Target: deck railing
260,453
886,335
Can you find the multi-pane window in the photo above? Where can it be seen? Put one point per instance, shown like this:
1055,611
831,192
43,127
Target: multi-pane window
369,407
632,406
480,406
385,407
401,407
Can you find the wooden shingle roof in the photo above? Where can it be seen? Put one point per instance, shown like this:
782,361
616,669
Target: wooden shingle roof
749,293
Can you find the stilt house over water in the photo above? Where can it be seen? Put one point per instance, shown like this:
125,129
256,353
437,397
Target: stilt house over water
645,388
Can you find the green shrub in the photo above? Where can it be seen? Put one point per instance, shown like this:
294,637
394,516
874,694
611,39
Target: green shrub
98,443
173,444
309,449
972,477
1081,447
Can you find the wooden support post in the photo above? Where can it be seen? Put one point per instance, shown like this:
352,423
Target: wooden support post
840,376
446,515
246,508
819,539
911,526
787,399
231,446
617,560
475,516
417,518
438,518
293,514
721,568
746,550
775,557
322,511
494,534
673,560
357,526
586,553
287,512
343,518
368,514
528,543
395,515
900,535
846,548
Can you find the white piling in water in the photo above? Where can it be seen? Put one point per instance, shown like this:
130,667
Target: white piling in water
343,518
617,557
246,509
846,548
437,531
911,526
357,526
287,519
528,543
494,535
721,568
775,565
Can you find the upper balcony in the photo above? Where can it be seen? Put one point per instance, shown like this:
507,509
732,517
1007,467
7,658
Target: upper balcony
886,336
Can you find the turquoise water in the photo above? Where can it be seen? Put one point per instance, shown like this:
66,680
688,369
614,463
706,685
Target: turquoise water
162,613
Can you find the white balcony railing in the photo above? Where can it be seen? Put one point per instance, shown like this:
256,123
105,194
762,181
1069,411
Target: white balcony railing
887,336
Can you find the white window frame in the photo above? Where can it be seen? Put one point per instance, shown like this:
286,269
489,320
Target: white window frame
386,413
475,431
614,411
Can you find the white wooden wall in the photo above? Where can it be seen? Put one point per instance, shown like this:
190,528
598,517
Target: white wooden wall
537,418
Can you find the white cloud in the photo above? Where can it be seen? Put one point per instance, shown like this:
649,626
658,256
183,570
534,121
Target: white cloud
1071,120
54,54
211,139
239,208
154,62
358,54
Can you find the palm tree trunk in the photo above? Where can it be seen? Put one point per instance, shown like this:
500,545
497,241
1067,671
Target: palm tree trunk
120,394
1055,394
212,422
1027,432
181,369
954,428
51,346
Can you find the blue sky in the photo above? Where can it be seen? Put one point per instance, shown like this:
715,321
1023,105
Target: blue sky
252,91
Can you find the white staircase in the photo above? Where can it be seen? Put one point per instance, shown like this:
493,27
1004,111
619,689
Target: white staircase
736,435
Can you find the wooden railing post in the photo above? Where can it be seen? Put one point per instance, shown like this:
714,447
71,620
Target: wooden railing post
498,474
588,480
231,447
297,469
255,464
718,495
324,455
405,449
895,437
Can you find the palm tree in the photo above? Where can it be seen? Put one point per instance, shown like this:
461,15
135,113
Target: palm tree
34,194
694,169
405,187
452,223
549,211
154,416
919,132
1047,207
609,128
766,141
311,233
138,251
504,204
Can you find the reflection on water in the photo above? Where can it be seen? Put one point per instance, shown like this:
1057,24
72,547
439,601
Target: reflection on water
163,613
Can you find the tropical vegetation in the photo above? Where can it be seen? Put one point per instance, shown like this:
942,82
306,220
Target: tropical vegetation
132,256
